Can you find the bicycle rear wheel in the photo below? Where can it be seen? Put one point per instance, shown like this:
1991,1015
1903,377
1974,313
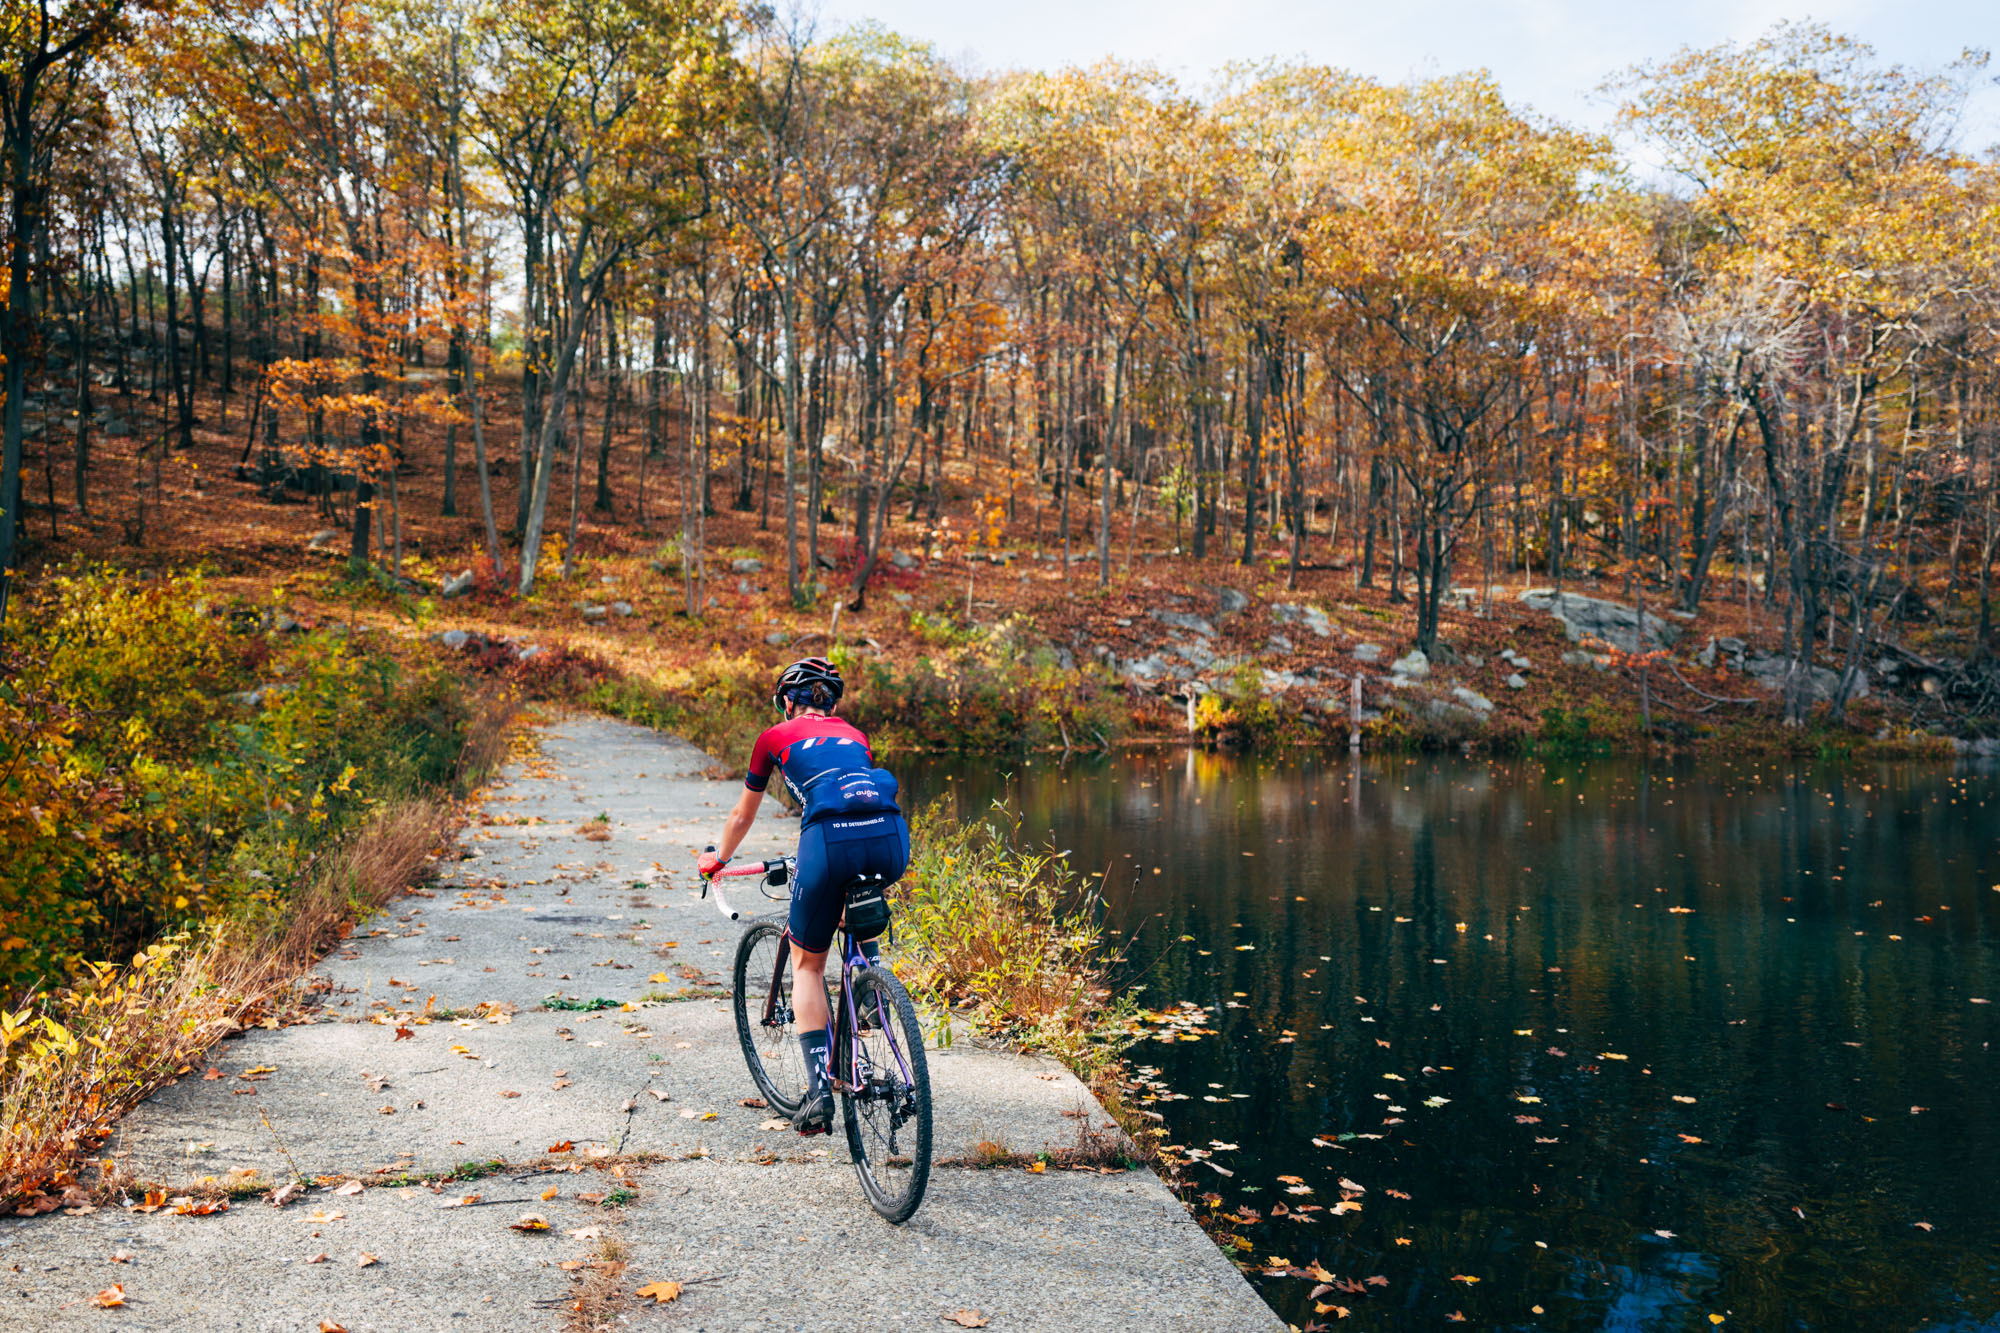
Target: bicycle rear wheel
766,1024
888,1110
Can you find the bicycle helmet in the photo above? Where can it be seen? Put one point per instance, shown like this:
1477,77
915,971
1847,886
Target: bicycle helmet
811,682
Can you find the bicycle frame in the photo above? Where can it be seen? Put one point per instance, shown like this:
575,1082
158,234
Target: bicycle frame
846,1021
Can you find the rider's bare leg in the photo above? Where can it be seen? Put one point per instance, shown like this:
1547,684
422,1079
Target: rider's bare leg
809,1005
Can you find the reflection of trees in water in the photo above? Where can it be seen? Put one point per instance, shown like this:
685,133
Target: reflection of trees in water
1748,1003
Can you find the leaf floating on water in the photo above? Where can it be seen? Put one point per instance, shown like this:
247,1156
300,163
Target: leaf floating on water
1923,1226
1466,1278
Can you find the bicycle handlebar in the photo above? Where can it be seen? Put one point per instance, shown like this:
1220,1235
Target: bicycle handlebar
760,868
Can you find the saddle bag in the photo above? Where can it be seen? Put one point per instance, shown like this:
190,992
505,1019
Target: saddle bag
867,910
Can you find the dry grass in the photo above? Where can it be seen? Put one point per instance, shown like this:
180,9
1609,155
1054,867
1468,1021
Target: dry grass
600,1294
111,1041
1098,1147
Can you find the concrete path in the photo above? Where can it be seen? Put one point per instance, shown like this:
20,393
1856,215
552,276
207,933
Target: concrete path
660,1162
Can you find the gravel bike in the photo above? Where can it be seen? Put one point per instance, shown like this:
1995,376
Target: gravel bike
876,1061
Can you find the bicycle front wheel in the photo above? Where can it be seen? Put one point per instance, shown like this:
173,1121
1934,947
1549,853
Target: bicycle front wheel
888,1107
766,1022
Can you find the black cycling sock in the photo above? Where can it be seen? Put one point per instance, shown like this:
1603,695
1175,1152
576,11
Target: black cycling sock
814,1043
872,951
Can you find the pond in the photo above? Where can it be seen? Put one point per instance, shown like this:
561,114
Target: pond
1595,1044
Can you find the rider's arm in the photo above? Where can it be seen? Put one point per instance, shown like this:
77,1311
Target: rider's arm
738,823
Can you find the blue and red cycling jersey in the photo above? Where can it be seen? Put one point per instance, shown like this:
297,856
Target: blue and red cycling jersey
827,765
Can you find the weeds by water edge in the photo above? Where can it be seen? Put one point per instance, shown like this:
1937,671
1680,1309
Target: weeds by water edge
1006,941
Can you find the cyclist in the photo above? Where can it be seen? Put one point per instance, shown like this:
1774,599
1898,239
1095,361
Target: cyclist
849,827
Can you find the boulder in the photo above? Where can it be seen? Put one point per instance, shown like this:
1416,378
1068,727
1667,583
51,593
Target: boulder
457,585
621,608
1229,602
1576,657
527,652
592,611
1155,667
1314,619
1587,618
1193,624
1368,652
1472,699
454,639
903,560
1413,665
747,565
1517,681
776,638
1277,682
326,539
1277,643
1769,672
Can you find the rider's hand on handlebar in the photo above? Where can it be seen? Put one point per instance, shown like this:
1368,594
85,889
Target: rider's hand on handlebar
708,864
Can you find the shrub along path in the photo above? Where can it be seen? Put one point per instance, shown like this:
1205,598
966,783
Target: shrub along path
623,1129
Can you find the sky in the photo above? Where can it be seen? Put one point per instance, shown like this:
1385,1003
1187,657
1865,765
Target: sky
1550,55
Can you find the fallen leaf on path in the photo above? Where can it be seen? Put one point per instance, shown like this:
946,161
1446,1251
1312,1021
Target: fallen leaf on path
402,1034
530,1222
319,1258
259,1071
351,1187
660,1096
550,1193
590,1198
211,1075
113,1295
329,1326
564,1146
121,1256
365,1260
585,1233
186,1207
661,1292
557,1086
466,1202
1037,1168
965,1318
286,1192
754,1103
509,1094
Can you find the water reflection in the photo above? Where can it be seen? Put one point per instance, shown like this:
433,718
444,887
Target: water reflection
1641,1043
